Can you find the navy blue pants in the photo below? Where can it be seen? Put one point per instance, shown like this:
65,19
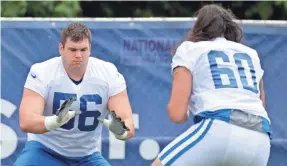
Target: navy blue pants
36,154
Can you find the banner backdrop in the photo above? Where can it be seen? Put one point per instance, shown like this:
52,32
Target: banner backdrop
141,52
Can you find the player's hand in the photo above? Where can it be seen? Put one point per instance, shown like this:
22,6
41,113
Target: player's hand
116,126
63,115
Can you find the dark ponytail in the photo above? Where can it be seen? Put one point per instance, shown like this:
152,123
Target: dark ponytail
214,21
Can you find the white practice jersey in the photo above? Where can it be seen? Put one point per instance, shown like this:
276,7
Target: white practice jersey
226,75
80,136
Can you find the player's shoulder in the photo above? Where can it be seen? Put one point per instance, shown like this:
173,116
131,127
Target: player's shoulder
99,64
222,43
242,47
193,46
187,45
102,70
46,65
188,48
45,70
195,51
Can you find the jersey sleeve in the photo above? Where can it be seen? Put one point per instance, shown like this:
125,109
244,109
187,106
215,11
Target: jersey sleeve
35,81
117,82
184,57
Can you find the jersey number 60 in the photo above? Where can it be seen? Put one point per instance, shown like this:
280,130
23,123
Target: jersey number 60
217,72
83,107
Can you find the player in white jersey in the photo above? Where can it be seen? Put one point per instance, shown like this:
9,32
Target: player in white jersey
219,80
63,101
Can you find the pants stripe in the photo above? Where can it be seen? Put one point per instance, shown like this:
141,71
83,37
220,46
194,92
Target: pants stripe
162,157
172,160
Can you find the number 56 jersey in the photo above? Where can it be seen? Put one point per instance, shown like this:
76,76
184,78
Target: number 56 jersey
80,136
226,75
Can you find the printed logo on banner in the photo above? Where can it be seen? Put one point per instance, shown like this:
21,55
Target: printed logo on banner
147,50
9,140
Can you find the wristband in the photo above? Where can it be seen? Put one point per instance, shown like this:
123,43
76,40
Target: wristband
51,122
124,136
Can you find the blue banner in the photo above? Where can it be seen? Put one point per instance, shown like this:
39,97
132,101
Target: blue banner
141,52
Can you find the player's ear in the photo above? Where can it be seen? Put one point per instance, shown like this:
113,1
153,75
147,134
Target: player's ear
61,48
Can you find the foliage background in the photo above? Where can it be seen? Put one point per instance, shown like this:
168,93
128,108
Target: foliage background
256,10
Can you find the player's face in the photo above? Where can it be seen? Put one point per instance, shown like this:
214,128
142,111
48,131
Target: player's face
75,54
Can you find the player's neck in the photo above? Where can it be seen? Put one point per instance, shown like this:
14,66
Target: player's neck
75,74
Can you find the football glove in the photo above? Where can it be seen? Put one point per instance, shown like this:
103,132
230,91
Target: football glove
63,115
116,126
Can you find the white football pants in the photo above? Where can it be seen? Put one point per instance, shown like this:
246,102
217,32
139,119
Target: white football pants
217,143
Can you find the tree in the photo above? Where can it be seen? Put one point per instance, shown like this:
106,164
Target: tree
13,8
40,9
276,10
266,9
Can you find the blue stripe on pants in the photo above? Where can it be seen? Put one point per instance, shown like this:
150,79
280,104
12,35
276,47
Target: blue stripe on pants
172,160
182,141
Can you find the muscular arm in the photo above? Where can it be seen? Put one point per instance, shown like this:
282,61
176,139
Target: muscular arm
180,95
121,105
262,93
31,110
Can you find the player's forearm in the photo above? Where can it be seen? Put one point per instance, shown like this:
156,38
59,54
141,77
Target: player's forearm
262,98
262,93
177,112
130,125
32,123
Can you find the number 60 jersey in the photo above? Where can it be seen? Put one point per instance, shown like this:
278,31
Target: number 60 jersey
79,137
226,75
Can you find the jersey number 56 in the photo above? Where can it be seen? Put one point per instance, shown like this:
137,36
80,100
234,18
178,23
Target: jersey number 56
83,107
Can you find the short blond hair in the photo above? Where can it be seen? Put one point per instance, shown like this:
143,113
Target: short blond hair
76,32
